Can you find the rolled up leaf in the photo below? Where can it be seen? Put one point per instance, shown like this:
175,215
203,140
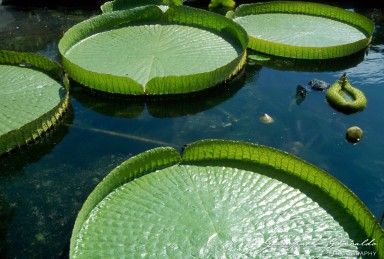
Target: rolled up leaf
346,98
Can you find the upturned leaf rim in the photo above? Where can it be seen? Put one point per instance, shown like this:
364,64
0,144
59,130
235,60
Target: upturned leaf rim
315,9
164,85
217,152
35,129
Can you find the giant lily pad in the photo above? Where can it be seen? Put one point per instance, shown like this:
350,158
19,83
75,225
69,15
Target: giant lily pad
222,199
147,51
32,99
303,30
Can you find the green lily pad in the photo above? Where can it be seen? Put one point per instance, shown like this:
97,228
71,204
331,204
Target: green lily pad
303,30
32,99
117,5
147,51
222,199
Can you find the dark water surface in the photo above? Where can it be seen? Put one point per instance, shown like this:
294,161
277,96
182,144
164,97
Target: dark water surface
43,187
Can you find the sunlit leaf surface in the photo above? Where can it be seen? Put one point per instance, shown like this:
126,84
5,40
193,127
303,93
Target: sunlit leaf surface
222,199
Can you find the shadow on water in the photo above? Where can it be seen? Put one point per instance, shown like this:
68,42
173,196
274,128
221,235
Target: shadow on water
157,106
17,159
7,211
304,65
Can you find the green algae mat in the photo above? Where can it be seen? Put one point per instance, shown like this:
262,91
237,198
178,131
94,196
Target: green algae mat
154,50
222,199
32,98
303,30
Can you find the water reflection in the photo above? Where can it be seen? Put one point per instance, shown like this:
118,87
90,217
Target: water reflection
31,153
160,106
371,70
335,64
34,29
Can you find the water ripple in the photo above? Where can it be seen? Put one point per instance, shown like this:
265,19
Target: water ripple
371,70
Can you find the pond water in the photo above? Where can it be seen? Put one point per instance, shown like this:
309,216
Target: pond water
43,186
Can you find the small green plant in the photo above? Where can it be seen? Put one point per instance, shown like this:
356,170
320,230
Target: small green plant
225,3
